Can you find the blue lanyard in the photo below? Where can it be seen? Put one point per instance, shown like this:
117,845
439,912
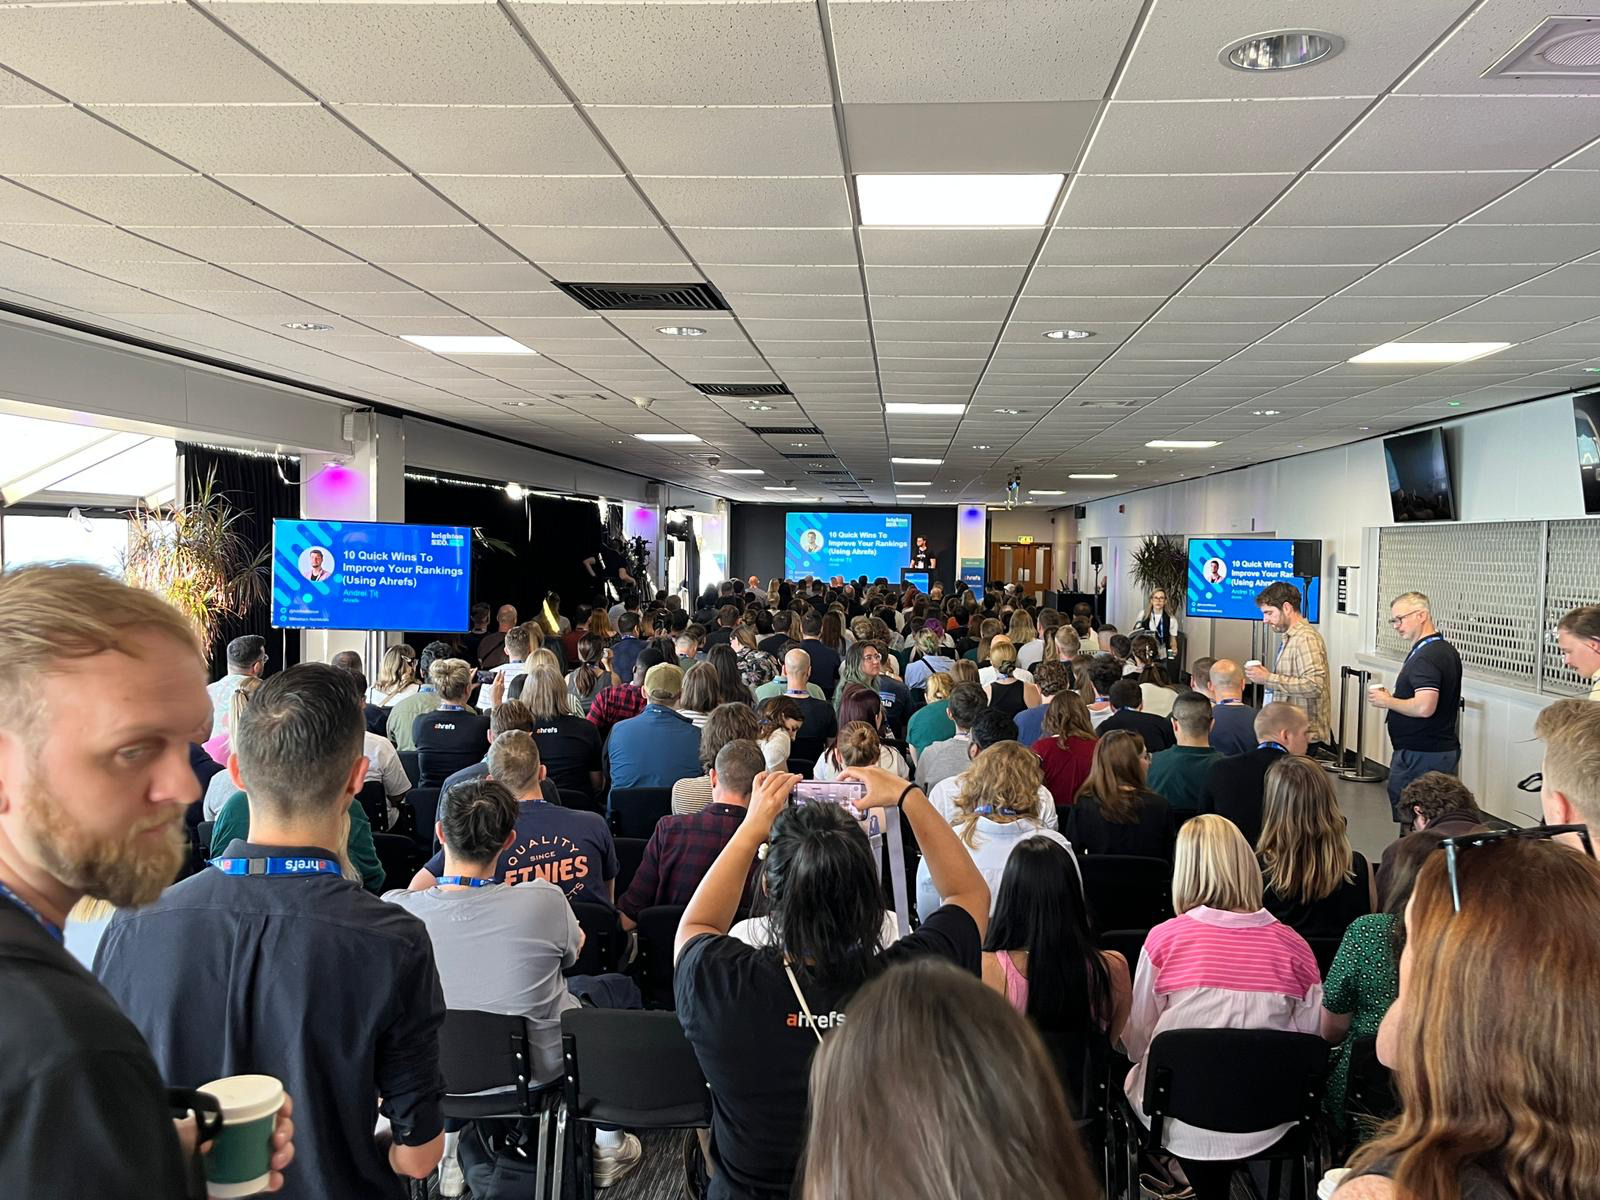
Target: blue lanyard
276,866
1229,701
465,881
986,810
1273,746
45,923
1421,642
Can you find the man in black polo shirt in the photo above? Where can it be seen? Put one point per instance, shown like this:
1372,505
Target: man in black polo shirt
273,962
1424,704
1127,703
96,720
451,736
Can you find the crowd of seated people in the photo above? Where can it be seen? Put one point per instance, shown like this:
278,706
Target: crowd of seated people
1012,748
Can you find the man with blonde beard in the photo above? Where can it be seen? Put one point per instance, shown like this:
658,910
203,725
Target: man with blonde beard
96,718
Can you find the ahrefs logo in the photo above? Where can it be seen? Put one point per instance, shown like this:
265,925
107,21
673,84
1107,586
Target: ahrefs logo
827,1020
302,864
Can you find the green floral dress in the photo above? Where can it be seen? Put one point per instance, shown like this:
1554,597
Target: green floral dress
1363,981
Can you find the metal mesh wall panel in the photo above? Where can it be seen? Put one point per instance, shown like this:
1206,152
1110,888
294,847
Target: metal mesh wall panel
1483,583
1572,577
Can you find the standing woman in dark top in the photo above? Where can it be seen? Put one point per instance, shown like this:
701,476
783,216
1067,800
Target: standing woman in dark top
1315,883
1116,813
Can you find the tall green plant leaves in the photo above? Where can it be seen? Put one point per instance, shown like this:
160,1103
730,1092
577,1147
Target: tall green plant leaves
1161,561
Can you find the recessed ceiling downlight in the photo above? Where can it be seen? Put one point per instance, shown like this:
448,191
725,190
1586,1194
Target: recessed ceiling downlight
1281,50
1068,335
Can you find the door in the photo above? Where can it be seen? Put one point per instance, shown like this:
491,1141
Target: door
1029,565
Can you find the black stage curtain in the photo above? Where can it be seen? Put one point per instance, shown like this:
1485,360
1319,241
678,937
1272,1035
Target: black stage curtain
253,487
549,539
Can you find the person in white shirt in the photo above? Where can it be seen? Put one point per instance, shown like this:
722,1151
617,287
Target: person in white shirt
1162,624
1223,963
518,644
247,657
989,728
858,746
997,806
397,677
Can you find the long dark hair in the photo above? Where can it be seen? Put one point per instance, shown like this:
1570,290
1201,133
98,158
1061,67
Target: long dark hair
825,896
726,662
1041,909
590,650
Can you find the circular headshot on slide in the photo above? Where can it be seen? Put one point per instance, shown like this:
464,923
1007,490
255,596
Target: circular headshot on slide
317,563
1216,570
811,541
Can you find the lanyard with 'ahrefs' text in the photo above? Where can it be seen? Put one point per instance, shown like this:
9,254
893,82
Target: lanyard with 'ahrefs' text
276,866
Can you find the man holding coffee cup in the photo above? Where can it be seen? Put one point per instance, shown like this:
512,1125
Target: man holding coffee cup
273,961
96,719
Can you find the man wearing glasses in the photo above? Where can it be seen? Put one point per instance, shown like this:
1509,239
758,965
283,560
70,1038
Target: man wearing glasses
1424,704
1578,636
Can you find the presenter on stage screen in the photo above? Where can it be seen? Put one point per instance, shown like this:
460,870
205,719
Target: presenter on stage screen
1216,570
314,565
811,541
921,560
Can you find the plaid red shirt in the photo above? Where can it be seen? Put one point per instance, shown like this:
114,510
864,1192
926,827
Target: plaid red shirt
679,853
615,704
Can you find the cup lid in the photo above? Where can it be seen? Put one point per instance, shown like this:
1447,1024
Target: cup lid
246,1097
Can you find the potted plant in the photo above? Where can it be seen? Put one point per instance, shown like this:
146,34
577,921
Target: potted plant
1161,562
195,557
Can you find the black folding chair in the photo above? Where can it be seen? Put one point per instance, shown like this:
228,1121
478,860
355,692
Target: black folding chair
491,1053
425,804
1370,1096
409,764
1126,892
658,929
398,857
633,812
630,853
602,938
202,838
1083,1064
631,1069
374,802
1126,942
1237,1081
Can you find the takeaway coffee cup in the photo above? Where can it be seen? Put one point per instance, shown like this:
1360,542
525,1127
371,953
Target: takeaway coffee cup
1254,662
1330,1182
238,1161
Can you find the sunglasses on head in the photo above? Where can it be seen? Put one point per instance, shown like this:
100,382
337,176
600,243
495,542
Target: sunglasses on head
1454,846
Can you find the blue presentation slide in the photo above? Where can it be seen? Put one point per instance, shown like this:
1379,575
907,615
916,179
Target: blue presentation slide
846,543
365,575
1226,574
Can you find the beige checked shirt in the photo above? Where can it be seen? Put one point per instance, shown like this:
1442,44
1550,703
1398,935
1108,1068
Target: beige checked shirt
1300,677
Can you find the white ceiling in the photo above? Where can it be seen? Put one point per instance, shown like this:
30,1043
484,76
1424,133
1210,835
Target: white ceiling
201,173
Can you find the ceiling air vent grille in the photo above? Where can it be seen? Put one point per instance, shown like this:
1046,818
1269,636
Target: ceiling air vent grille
652,297
815,456
785,430
741,389
1560,46
1110,403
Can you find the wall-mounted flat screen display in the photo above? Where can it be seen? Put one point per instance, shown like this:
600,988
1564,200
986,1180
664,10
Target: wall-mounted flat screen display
1226,575
370,575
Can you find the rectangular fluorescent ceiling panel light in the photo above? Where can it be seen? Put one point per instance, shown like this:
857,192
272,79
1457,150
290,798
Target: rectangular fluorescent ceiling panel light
918,462
911,496
778,489
1169,444
1429,352
741,471
1112,476
1045,492
957,201
667,437
468,345
926,410
916,483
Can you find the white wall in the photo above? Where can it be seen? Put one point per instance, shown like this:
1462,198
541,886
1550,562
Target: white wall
1514,463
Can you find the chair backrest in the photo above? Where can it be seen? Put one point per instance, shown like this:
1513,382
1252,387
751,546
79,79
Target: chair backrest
1325,949
374,802
806,750
632,1068
409,764
202,837
658,930
1124,891
425,803
630,853
1234,1080
602,938
481,1052
398,857
1371,1090
1126,942
1081,1062
634,811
